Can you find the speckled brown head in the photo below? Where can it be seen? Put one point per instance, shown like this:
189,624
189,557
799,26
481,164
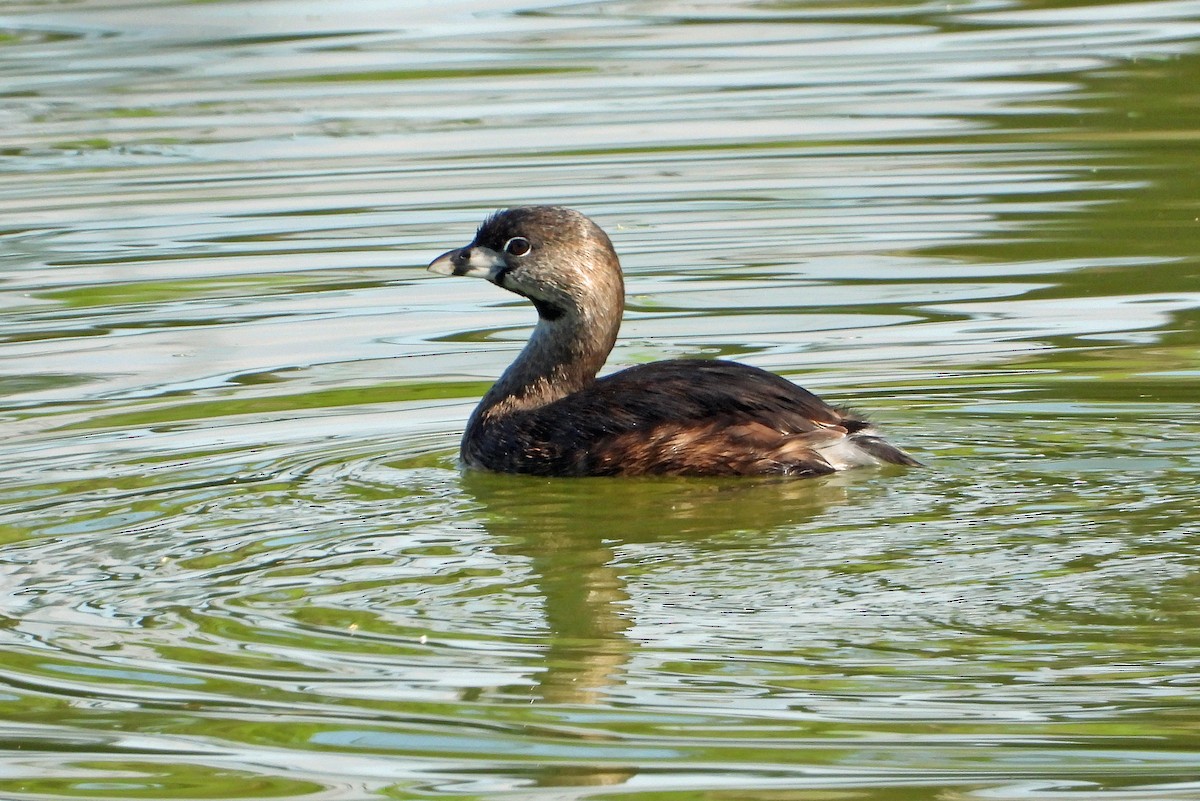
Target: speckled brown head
554,256
566,266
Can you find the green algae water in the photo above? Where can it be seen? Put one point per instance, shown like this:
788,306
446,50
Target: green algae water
238,559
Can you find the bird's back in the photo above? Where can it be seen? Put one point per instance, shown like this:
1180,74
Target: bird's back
680,417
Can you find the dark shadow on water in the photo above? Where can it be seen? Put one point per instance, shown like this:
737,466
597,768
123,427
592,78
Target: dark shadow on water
562,513
570,529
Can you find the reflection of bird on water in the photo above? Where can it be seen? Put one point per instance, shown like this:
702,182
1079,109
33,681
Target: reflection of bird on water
569,530
573,533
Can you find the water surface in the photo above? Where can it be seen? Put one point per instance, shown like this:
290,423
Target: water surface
239,560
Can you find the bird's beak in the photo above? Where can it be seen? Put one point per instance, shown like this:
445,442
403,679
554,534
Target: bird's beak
473,261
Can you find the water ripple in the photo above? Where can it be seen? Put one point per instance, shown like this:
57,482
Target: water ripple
239,560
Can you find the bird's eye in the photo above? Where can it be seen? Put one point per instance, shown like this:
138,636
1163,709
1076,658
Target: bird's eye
517,246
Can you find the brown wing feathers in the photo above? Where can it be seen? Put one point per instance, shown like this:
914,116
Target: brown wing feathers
677,417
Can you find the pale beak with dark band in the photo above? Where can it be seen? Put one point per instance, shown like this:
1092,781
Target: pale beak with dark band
474,261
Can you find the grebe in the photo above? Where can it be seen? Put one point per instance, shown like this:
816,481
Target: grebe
549,415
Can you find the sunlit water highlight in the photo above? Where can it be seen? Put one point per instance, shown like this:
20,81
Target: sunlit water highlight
239,560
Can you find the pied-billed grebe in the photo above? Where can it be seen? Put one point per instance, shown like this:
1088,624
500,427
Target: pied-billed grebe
549,415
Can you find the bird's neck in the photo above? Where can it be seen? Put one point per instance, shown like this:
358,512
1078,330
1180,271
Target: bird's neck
562,357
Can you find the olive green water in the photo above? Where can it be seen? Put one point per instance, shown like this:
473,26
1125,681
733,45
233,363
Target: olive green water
238,560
